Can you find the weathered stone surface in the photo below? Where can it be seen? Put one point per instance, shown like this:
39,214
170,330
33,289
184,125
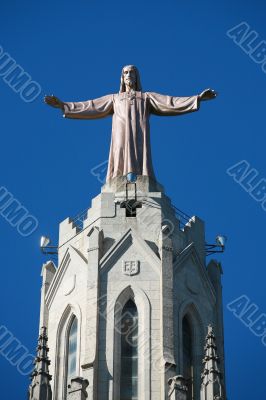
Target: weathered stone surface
178,389
212,387
165,275
77,389
40,388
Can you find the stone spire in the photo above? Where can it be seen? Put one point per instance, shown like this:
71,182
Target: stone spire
211,384
40,388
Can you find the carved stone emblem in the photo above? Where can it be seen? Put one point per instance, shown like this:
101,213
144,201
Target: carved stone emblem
69,285
130,267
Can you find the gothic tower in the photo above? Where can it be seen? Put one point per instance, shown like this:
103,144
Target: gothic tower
128,306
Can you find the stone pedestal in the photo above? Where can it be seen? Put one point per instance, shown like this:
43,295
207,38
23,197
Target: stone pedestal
145,184
178,388
77,389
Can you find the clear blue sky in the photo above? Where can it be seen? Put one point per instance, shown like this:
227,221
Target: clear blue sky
76,50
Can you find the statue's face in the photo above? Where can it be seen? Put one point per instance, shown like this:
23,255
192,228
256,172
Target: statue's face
129,75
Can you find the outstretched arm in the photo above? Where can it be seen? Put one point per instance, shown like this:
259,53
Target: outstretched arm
208,94
169,105
91,109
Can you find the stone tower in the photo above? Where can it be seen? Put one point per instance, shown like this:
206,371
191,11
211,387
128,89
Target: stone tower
129,304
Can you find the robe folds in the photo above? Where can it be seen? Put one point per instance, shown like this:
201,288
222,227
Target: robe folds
130,149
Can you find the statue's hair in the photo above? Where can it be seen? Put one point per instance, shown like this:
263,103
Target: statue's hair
122,84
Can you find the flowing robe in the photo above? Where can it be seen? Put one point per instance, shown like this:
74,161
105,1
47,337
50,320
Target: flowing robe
130,149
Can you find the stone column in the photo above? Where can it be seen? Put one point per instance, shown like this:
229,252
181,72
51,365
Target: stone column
90,361
77,389
48,273
178,388
167,311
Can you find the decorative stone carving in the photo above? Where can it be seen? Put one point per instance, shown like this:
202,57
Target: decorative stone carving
178,388
211,385
77,389
40,388
130,267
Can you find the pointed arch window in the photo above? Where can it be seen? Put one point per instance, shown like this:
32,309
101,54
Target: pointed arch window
72,349
129,352
188,369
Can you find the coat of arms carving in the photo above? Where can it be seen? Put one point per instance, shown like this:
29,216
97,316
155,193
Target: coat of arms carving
130,267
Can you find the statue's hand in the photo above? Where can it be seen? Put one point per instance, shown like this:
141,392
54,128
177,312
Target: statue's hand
53,102
208,94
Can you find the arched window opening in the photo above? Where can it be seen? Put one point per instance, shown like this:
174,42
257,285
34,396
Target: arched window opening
188,370
129,352
72,350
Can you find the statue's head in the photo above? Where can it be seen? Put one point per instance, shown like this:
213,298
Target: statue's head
130,79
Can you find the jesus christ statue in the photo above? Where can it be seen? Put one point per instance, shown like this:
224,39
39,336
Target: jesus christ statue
130,150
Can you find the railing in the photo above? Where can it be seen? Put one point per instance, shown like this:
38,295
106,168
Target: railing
181,216
79,219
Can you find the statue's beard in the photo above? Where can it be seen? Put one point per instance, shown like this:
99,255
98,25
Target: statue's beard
130,84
